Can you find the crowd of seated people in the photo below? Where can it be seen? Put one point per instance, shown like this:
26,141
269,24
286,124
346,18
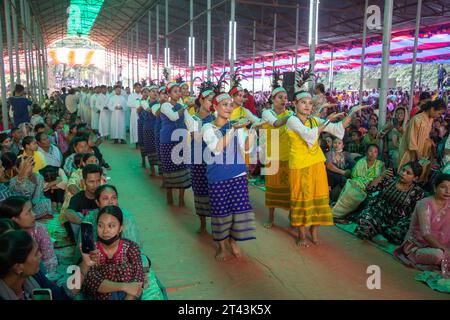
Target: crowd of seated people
53,171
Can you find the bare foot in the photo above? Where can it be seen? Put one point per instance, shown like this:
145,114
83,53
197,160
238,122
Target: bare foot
314,236
220,255
268,225
302,243
235,249
202,231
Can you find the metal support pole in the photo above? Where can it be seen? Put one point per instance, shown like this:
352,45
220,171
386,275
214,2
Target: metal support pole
128,59
149,45
274,44
9,44
3,80
44,62
166,36
133,55
208,41
254,56
387,28
38,66
224,53
203,60
24,43
296,34
16,39
192,44
157,41
137,53
233,35
331,75
420,76
416,41
312,46
30,51
363,53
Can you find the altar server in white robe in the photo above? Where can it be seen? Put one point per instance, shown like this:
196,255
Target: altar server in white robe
95,114
101,105
133,114
117,105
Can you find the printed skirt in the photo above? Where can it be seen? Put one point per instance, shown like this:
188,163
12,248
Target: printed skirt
231,212
150,146
158,151
278,193
310,197
176,176
200,188
140,129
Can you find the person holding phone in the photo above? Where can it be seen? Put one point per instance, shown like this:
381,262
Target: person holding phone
19,209
84,201
115,270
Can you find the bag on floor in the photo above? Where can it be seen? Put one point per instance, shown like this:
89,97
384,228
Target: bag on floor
349,200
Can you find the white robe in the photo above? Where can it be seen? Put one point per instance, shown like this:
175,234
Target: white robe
118,117
94,112
104,125
88,108
133,104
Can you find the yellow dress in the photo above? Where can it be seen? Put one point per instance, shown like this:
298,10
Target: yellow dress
308,182
277,185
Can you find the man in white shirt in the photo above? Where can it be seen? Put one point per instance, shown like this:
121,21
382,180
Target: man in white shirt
52,155
117,105
72,101
134,116
101,103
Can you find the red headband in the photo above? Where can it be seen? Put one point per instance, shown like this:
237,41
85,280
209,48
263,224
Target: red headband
235,90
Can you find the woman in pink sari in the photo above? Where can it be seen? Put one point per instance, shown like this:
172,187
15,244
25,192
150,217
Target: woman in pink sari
427,244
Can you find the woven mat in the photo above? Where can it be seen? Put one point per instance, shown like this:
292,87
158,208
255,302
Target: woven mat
351,227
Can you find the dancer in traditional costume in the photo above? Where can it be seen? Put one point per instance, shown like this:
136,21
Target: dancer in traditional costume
277,183
176,176
149,121
198,166
237,94
156,111
307,173
232,217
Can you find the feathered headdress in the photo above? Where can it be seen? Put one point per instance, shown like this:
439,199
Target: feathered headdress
304,75
206,88
152,85
276,86
179,80
236,81
218,89
276,79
